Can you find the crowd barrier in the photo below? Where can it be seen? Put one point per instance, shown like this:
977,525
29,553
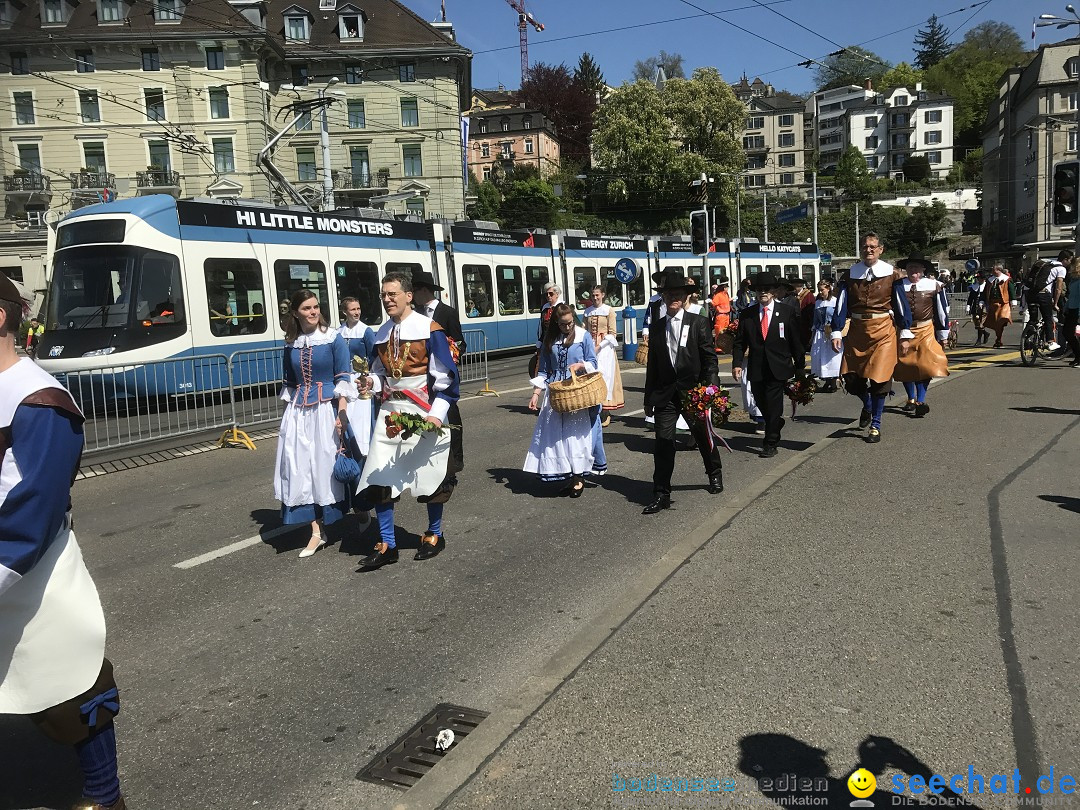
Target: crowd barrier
129,405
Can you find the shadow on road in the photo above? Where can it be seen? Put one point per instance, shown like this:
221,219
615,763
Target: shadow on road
1064,501
1043,409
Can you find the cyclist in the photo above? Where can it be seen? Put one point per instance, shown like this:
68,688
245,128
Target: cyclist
1044,288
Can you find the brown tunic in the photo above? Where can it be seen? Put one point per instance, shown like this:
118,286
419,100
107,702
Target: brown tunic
870,346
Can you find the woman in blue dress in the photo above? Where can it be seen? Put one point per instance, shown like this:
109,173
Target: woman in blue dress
317,386
565,445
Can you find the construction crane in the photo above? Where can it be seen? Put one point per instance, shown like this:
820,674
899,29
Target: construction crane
525,19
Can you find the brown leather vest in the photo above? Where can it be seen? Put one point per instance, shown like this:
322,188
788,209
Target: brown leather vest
922,304
866,295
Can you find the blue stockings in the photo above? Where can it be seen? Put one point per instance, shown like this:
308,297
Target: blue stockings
917,390
434,518
385,513
97,757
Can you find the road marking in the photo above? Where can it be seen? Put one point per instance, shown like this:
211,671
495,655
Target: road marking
239,545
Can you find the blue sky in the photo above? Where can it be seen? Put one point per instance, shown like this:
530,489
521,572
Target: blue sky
489,29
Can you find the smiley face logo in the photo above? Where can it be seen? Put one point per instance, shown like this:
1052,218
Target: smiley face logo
861,783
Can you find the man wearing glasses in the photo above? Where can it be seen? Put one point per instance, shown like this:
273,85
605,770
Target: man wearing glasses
872,295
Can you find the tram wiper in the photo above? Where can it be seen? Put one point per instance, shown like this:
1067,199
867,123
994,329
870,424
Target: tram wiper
103,311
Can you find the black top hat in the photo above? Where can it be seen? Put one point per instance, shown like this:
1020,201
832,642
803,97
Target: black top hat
423,278
767,282
659,274
916,258
672,279
795,281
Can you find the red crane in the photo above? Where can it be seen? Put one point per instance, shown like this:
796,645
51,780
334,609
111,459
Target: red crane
525,19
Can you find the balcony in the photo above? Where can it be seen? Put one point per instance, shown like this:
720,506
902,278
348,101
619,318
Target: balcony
901,122
157,179
92,181
507,156
346,180
26,183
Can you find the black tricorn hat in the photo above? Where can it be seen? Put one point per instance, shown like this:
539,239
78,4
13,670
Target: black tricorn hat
659,274
672,279
916,258
422,278
766,282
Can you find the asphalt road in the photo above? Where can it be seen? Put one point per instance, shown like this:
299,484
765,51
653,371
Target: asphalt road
258,679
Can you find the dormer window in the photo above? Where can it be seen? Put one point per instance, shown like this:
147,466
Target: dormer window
526,123
110,11
350,23
53,12
505,124
167,11
900,101
297,24
483,127
1072,67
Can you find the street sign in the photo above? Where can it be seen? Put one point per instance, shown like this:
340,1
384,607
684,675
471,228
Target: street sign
627,271
826,259
786,215
972,265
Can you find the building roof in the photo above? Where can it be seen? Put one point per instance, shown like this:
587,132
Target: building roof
773,104
499,96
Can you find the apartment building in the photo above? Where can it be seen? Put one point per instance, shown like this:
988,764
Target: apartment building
893,127
111,98
503,139
826,130
1030,131
773,142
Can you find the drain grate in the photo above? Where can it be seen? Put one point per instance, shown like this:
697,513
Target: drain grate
406,761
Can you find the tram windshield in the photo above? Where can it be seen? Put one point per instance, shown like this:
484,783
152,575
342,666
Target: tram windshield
114,286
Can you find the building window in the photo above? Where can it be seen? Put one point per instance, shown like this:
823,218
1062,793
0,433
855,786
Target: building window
871,161
932,117
84,61
24,108
410,116
54,12
88,106
487,173
483,127
870,122
223,155
1072,141
350,26
755,122
933,157
354,74
900,120
406,72
787,178
357,116
900,101
872,142
94,157
305,164
526,123
297,27
787,120
30,157
1073,68
754,181
1072,101
299,75
505,123
159,155
933,136
898,161
786,139
787,159
485,150
110,11
215,58
303,120
151,59
155,104
410,154
167,10
753,142
415,206
219,102
755,162
506,150
360,165
20,64
900,142
528,146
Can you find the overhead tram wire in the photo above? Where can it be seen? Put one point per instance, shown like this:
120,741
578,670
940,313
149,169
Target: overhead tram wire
815,33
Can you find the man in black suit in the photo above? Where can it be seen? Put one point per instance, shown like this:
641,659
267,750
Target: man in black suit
426,303
681,357
770,337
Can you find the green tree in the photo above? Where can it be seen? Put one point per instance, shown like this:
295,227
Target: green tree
852,174
672,62
968,171
925,225
589,76
487,199
850,65
903,75
931,44
916,168
554,91
529,203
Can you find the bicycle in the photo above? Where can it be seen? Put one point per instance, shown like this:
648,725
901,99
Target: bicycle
1033,343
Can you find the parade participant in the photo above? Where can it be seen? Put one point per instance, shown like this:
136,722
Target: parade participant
1072,310
745,297
770,338
998,294
824,359
680,359
805,311
925,358
427,303
33,336
553,296
868,294
653,309
601,325
52,628
721,301
419,377
565,446
317,386
976,308
359,337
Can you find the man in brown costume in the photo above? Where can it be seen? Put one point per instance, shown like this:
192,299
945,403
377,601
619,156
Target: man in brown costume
930,325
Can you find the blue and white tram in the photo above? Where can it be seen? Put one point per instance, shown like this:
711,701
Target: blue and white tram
590,261
675,254
781,260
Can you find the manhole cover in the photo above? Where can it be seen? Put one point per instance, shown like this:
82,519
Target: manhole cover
406,761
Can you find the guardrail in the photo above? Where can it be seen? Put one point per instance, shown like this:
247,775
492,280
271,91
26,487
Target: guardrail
473,364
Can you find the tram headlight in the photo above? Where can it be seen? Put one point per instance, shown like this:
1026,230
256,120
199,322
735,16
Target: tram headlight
100,352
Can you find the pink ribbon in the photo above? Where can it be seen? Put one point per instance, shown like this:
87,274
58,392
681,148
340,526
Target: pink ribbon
710,429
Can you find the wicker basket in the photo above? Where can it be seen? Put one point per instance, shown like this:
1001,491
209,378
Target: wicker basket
641,357
579,392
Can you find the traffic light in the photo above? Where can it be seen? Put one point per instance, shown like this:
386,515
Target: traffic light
1066,187
699,233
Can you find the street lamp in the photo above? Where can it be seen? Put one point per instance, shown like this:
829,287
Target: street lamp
1064,22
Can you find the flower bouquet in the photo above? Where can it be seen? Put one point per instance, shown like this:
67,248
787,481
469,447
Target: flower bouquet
801,392
725,339
406,424
709,404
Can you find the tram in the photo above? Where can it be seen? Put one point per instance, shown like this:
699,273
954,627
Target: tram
153,278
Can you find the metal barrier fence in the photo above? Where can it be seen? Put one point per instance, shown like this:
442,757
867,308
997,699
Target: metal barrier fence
958,306
127,405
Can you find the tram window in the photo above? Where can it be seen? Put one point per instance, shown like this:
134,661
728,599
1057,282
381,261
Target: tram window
791,270
613,288
535,279
361,280
291,275
636,292
774,269
478,291
808,274
161,294
716,271
696,272
236,302
509,289
408,268
584,281
752,269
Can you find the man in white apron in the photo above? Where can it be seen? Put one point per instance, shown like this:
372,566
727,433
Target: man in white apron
52,629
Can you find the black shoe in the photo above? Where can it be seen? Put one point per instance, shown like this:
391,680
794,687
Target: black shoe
428,550
921,410
377,559
716,484
874,436
767,452
909,406
662,502
865,418
1074,363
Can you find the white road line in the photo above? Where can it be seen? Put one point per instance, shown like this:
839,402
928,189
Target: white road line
239,545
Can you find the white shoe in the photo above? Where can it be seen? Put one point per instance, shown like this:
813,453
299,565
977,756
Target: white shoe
1053,346
310,550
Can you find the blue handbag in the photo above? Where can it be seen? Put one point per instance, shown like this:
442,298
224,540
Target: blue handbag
346,468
